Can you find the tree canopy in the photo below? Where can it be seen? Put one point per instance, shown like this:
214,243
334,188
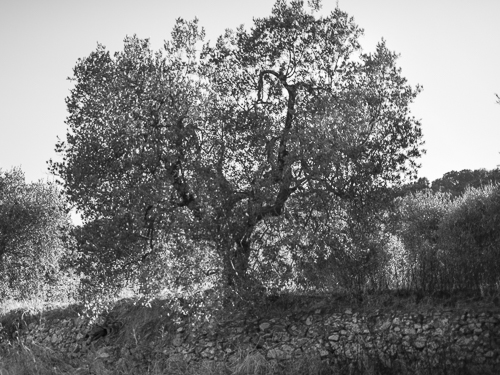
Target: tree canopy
33,226
198,150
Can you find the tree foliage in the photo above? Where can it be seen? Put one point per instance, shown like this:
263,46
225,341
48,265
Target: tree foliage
470,239
419,217
34,225
456,183
447,244
200,150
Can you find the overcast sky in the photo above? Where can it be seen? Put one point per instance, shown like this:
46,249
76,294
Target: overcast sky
450,47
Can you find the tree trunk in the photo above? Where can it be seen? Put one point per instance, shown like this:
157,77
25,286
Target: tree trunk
237,264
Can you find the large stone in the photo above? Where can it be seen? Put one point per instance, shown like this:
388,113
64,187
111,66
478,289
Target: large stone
264,326
334,337
385,326
324,353
420,342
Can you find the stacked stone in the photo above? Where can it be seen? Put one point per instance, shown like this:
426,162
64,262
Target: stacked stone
433,336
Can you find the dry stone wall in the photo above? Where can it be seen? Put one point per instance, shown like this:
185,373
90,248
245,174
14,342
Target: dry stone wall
457,336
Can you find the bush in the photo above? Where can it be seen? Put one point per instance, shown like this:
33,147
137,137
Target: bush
445,243
419,216
469,238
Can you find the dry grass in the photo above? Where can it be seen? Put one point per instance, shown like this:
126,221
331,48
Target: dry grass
33,360
41,361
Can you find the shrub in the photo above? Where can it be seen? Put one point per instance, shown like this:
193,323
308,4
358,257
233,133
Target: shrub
419,217
469,238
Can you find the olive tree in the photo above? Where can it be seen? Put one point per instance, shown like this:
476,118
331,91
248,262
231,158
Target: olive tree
34,229
196,149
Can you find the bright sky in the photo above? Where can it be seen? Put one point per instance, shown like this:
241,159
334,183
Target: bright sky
451,47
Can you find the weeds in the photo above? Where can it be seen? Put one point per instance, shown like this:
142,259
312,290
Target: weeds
36,360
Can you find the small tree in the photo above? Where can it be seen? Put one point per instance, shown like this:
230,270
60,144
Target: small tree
34,226
287,119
